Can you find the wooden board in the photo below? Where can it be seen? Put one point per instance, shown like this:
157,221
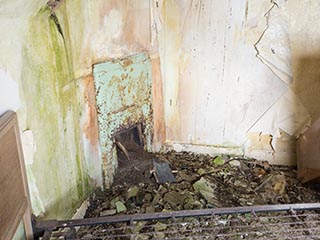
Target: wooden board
14,198
308,154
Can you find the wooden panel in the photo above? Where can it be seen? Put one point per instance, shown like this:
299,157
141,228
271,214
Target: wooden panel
159,134
308,153
14,203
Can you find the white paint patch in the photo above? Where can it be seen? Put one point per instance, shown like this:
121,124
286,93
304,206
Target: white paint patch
28,145
113,23
92,161
9,93
106,39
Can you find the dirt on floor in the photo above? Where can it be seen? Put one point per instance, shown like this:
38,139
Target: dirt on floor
201,182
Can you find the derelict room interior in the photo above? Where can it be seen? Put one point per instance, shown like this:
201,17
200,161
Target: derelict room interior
159,119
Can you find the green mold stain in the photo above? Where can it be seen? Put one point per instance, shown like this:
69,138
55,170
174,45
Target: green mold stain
53,114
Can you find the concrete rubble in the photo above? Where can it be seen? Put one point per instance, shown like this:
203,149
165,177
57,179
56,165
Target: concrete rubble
202,183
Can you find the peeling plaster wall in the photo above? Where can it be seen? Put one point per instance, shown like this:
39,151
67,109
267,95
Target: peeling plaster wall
46,75
105,31
35,76
239,76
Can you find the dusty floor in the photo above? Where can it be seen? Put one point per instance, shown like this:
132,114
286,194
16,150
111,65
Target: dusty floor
204,182
201,182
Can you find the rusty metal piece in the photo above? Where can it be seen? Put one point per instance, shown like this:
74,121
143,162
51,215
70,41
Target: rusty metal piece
123,149
51,225
308,154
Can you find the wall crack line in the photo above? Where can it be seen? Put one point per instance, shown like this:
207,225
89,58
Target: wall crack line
266,15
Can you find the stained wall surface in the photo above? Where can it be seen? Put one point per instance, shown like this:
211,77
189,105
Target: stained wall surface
234,74
46,62
238,76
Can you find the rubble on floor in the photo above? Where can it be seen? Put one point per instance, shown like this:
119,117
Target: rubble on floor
205,182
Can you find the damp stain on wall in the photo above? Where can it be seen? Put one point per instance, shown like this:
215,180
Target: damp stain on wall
216,90
50,95
232,69
89,130
59,49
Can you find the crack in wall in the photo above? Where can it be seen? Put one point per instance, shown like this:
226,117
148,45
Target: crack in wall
53,16
267,16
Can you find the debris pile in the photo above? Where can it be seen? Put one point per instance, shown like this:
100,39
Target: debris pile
205,182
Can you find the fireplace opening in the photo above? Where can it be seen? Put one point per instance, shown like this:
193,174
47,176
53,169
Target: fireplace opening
132,135
134,163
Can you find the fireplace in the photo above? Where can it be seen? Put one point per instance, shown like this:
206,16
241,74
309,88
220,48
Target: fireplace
123,90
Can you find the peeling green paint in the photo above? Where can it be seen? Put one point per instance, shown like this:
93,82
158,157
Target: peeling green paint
53,116
123,96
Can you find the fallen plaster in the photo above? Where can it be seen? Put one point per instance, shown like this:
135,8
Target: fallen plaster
260,141
35,47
